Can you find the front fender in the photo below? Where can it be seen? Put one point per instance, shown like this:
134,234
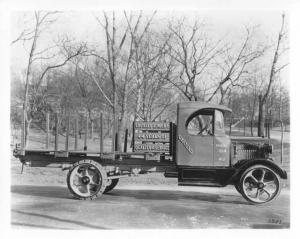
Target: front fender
242,165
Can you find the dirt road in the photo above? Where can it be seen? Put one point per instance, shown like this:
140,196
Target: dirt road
138,206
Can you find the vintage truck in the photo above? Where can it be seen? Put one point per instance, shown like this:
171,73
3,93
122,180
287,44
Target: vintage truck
196,150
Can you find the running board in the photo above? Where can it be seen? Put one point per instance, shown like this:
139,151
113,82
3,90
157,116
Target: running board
199,183
171,174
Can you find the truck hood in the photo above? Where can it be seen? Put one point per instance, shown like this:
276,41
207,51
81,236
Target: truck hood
248,139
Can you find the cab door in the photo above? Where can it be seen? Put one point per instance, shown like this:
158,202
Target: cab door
221,142
195,139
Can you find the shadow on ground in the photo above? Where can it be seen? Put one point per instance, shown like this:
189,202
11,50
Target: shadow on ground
128,194
56,219
41,191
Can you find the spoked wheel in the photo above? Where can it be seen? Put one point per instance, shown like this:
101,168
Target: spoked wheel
110,185
259,184
86,179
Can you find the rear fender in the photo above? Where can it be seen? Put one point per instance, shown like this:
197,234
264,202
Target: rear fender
242,165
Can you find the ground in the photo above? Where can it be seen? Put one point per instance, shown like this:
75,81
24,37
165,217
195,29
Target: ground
40,199
147,207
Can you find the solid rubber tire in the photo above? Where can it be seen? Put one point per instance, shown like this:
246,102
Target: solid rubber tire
103,176
111,186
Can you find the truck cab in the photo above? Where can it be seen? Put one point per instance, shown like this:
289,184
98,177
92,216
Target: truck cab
207,156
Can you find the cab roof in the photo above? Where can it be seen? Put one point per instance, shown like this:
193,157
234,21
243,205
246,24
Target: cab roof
198,105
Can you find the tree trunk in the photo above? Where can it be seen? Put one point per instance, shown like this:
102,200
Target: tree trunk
27,129
252,113
263,99
251,126
123,119
115,119
138,102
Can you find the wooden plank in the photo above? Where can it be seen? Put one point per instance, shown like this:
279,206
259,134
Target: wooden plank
56,132
86,132
23,130
117,135
92,129
81,152
101,133
133,133
125,140
76,133
67,133
116,142
47,129
113,145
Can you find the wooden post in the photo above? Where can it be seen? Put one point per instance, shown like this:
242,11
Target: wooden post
116,142
125,140
81,126
230,125
76,133
132,139
245,126
86,132
47,129
67,132
92,129
113,136
56,132
101,133
281,143
117,134
23,143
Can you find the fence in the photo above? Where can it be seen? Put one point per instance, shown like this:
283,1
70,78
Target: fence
246,127
79,126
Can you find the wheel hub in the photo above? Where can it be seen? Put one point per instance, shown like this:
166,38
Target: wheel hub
260,185
85,180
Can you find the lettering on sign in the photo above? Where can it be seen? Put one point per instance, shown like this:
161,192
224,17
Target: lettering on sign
150,147
152,125
151,137
185,144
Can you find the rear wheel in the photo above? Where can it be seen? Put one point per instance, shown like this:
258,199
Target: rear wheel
86,179
259,184
111,184
237,187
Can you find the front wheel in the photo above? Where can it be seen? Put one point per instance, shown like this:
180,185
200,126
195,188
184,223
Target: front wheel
259,184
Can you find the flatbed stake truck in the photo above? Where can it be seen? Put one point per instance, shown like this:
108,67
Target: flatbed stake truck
196,150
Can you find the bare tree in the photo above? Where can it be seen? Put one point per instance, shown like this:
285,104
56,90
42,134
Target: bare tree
234,65
112,51
42,20
120,62
152,90
191,52
274,70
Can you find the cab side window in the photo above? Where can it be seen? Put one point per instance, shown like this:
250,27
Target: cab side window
219,123
200,123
